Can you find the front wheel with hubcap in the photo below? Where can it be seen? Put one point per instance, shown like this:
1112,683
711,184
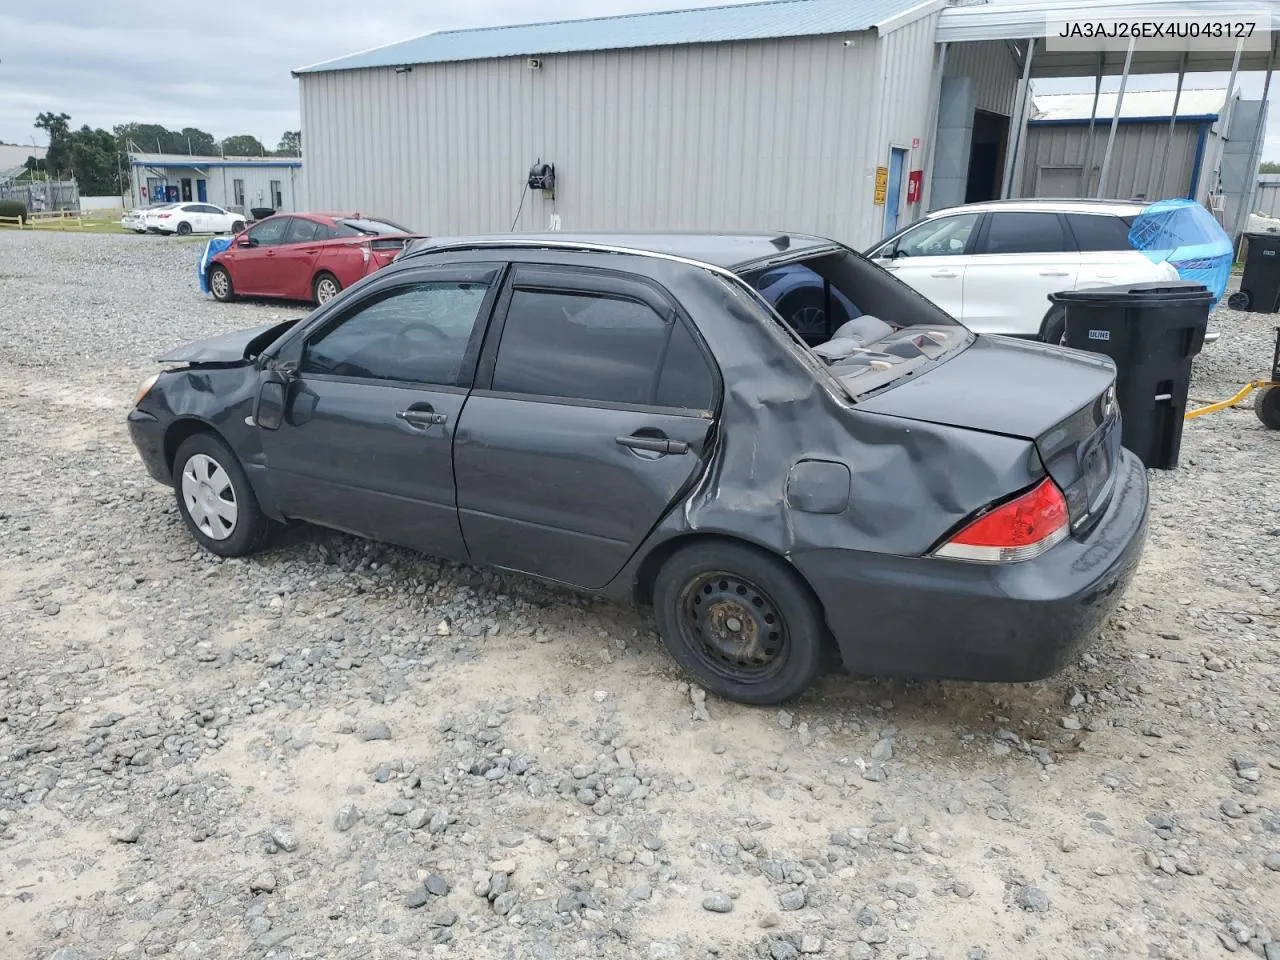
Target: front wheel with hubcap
220,284
325,288
215,499
740,622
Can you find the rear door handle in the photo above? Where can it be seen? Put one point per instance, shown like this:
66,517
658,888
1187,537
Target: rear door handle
653,444
422,417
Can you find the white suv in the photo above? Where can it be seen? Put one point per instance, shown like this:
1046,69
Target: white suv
993,265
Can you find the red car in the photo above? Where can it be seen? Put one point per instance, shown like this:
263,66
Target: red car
304,256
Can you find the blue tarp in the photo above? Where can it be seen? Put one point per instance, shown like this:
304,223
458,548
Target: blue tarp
1186,235
211,249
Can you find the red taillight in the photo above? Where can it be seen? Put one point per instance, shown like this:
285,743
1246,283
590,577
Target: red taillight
1021,529
165,216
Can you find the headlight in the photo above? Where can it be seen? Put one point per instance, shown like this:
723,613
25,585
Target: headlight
143,390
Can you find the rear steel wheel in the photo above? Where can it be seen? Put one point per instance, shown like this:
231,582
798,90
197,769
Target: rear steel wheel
740,621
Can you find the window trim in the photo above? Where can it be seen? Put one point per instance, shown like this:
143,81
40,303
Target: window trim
295,347
574,280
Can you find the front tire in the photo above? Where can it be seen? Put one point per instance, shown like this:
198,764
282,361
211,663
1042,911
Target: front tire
740,622
324,288
1267,406
220,285
215,499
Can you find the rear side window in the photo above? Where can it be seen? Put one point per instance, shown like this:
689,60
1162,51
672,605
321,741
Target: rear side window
1099,232
302,231
589,346
365,227
1025,233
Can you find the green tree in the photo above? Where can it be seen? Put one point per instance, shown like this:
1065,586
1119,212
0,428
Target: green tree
1269,166
94,162
199,143
243,145
290,144
58,127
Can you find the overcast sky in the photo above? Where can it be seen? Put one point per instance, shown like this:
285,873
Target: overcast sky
224,67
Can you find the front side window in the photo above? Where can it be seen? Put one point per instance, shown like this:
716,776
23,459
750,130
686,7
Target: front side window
416,334
598,347
1025,233
943,237
268,233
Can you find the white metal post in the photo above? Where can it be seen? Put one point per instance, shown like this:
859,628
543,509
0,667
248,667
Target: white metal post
1015,135
1173,119
1086,159
931,131
1115,121
1255,154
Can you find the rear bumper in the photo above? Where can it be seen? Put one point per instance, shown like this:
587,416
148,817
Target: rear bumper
1004,623
147,433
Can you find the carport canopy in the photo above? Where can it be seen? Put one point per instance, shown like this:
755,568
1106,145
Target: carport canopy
1025,26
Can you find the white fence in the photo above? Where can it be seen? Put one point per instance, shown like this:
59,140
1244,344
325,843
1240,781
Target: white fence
104,204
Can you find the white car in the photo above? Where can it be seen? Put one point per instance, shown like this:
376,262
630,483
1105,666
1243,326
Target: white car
136,219
993,265
187,218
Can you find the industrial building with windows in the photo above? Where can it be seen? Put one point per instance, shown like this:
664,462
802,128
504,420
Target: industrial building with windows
240,184
847,118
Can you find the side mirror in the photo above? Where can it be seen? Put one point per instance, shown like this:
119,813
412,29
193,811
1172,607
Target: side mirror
272,400
245,241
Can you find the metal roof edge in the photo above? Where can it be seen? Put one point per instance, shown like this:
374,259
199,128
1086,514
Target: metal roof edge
906,17
1101,120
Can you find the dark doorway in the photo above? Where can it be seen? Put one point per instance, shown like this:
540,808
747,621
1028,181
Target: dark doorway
986,156
186,188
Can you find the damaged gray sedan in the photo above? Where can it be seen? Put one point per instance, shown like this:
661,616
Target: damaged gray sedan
781,448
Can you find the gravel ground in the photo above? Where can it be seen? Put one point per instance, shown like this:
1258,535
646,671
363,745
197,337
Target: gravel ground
342,750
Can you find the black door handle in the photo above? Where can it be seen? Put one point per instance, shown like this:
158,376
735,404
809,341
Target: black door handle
422,416
653,444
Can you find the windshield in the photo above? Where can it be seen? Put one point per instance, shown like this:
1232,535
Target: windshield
868,327
351,227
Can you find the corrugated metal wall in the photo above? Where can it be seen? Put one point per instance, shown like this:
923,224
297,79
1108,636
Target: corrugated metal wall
1135,158
756,135
989,64
1266,199
905,87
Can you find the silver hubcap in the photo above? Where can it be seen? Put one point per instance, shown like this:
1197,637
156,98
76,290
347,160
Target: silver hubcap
326,290
209,497
219,282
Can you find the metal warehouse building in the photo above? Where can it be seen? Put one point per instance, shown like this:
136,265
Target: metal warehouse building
235,183
841,117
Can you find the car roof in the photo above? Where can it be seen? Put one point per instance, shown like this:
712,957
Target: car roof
1121,208
725,250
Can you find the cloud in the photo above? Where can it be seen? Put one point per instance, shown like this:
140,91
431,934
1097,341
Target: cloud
224,67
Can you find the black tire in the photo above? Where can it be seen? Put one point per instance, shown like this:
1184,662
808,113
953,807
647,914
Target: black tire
184,229
711,585
251,526
320,287
220,284
237,226
1266,404
1241,300
1054,328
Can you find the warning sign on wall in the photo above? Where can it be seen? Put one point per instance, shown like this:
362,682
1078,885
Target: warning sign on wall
882,185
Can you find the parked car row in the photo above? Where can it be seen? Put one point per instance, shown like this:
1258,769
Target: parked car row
657,419
183,219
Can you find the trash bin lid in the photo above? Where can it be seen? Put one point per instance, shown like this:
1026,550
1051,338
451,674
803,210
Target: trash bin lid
1150,293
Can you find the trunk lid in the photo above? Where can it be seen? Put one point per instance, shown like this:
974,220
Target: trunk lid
1061,400
228,348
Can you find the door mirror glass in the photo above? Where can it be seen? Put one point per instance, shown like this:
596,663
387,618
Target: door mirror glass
246,241
268,409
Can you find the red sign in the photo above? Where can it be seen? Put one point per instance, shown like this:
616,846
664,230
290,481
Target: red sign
914,180
915,143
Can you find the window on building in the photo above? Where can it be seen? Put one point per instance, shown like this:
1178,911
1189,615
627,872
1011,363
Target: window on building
418,334
1025,233
237,191
277,197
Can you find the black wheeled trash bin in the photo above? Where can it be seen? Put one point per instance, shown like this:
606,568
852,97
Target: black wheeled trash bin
1152,331
1260,283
